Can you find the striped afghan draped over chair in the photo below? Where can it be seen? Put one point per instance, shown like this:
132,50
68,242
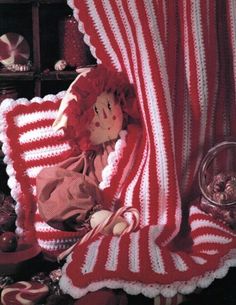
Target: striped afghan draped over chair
181,58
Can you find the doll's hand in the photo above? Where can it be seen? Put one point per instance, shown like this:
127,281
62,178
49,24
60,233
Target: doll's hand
61,119
101,218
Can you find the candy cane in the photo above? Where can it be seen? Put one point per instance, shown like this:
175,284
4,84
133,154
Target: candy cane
101,228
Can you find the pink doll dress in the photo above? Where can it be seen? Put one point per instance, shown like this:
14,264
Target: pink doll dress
68,193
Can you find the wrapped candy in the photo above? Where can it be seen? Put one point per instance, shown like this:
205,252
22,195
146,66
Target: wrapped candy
51,280
60,65
4,281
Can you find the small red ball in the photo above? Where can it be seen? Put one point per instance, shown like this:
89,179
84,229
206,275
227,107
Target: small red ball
8,242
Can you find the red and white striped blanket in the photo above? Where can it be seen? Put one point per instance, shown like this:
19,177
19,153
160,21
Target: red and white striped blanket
181,57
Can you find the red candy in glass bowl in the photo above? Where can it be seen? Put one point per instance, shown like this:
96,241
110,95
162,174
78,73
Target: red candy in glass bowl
217,182
8,242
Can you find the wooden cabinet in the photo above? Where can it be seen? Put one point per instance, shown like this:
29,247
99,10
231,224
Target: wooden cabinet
38,21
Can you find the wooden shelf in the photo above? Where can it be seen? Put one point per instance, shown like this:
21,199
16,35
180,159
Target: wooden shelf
58,75
13,76
41,24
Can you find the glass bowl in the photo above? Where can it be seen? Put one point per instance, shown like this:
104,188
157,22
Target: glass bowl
217,182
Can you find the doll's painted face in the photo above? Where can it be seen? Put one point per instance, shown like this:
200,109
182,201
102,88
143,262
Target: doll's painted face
107,121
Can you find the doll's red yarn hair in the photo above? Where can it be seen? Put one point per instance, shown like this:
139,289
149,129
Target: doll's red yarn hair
86,89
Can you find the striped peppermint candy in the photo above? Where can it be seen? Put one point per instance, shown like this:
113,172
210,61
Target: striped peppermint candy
14,49
24,293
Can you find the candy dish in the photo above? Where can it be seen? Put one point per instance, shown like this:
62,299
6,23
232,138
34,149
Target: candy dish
217,183
10,262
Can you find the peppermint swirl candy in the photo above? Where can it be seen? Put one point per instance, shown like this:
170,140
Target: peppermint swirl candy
24,293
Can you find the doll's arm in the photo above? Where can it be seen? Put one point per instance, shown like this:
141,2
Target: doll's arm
61,119
115,227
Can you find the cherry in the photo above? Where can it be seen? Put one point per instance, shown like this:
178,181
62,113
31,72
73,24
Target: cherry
8,242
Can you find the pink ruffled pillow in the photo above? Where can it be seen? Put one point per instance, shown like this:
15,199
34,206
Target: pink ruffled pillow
29,144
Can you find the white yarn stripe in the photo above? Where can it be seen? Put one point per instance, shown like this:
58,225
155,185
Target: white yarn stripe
134,51
33,190
198,260
39,134
144,193
179,263
56,244
161,158
134,257
200,223
209,252
131,188
125,173
43,227
157,261
25,119
114,27
186,44
202,81
91,256
45,152
104,39
113,254
211,239
160,55
32,172
195,210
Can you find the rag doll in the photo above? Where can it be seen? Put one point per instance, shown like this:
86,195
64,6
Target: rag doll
96,114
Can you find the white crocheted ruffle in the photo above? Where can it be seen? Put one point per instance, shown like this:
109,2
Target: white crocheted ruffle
155,289
112,161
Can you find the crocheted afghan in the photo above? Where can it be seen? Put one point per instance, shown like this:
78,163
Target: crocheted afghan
29,144
181,58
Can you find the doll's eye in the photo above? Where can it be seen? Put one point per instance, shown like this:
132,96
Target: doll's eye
108,105
95,109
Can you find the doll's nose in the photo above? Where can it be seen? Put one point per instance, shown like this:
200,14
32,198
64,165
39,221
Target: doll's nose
104,114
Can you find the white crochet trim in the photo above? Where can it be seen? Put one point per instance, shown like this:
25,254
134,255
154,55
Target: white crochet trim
112,161
6,106
151,290
57,244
